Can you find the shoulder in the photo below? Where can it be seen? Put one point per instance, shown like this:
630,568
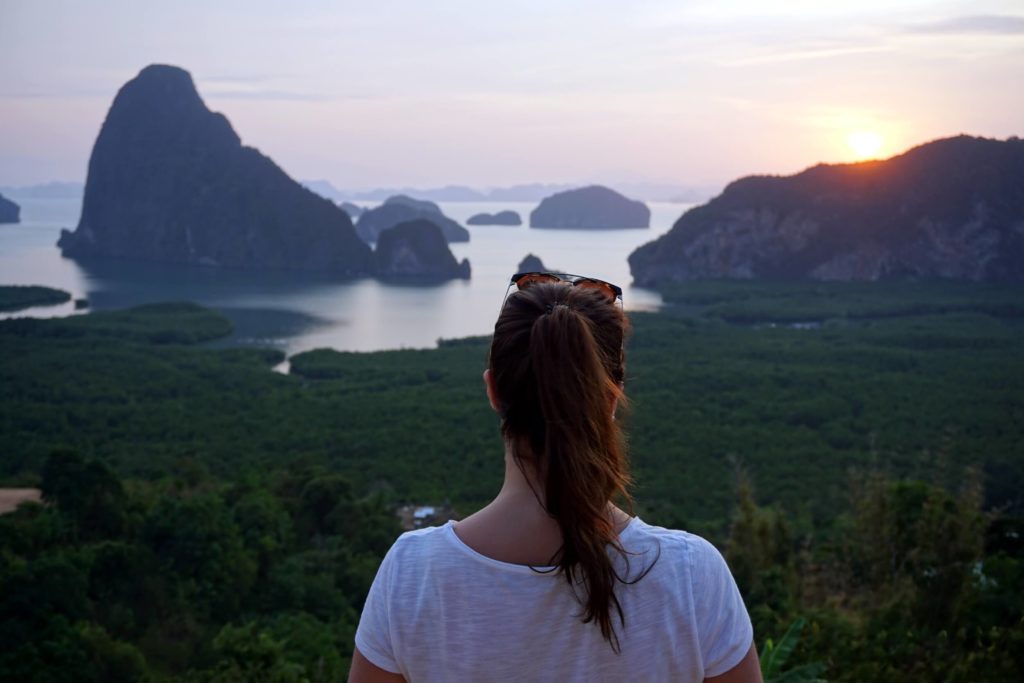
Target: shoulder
421,538
680,557
722,624
677,546
415,545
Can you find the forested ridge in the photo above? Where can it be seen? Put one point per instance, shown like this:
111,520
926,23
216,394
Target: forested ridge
207,519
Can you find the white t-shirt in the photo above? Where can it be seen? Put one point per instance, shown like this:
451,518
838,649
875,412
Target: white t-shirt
440,611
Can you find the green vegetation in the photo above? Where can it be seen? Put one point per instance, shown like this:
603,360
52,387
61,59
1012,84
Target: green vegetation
753,301
909,582
208,519
185,577
169,323
774,655
918,397
18,297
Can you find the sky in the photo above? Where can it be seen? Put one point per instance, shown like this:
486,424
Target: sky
385,93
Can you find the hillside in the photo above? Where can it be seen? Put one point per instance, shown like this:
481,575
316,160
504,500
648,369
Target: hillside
948,209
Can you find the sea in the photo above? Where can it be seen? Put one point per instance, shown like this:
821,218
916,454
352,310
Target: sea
296,312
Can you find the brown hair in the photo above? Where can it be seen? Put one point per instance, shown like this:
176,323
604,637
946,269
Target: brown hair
557,364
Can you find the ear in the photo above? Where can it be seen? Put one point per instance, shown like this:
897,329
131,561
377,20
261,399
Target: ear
492,395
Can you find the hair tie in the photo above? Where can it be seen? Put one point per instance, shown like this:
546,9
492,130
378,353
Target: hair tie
552,307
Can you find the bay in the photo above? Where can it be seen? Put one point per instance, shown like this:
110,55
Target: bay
300,311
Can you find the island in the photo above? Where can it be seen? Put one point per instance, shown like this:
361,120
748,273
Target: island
401,209
417,250
590,208
170,181
9,211
531,264
500,218
951,209
20,297
424,205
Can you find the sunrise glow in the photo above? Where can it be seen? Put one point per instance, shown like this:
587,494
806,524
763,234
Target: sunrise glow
865,145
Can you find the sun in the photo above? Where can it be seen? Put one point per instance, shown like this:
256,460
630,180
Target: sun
865,145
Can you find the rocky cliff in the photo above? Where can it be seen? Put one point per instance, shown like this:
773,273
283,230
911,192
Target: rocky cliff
590,208
401,209
170,181
417,250
9,211
952,209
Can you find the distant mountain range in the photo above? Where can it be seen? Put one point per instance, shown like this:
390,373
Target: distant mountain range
51,190
533,192
948,209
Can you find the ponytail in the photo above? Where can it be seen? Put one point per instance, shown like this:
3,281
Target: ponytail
557,363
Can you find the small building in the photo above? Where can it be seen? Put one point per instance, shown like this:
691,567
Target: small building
417,516
422,514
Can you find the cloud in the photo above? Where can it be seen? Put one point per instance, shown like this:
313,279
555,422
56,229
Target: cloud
992,24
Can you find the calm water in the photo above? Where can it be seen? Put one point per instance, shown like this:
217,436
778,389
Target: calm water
297,312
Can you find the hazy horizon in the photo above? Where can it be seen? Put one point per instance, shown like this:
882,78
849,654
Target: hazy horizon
397,94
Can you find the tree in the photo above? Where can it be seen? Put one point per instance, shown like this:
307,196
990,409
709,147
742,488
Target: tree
774,656
760,555
87,494
251,655
199,545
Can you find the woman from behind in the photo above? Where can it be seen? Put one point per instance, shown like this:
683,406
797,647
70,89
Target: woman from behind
553,580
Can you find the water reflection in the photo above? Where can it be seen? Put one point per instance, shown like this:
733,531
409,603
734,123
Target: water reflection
297,311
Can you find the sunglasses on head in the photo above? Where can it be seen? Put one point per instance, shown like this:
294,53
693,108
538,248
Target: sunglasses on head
526,280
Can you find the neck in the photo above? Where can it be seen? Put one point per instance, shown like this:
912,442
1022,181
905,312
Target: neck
515,527
521,480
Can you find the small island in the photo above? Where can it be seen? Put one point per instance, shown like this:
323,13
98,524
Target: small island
532,264
9,211
401,209
417,250
20,297
500,218
424,205
590,208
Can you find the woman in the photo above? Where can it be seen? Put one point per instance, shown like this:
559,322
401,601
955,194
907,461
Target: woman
552,580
